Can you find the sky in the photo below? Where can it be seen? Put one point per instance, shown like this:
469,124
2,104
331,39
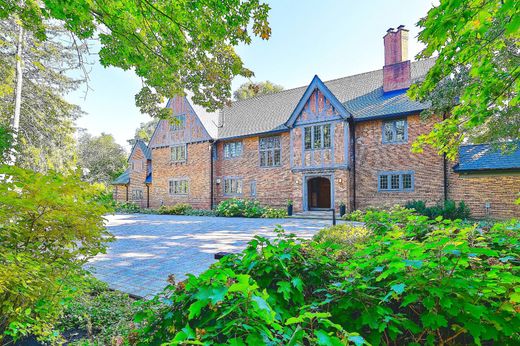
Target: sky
330,38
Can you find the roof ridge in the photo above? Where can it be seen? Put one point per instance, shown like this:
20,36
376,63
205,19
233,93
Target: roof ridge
325,82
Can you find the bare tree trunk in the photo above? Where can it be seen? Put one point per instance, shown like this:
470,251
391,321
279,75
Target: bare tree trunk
15,123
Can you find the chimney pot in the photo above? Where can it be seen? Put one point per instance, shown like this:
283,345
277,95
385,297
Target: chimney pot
390,30
400,27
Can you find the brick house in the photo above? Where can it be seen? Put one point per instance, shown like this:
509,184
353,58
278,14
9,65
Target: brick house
347,140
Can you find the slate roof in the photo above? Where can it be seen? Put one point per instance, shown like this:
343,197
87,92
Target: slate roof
146,151
361,94
123,179
482,157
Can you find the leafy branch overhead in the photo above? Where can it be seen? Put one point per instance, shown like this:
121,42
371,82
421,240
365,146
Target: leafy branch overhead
174,45
475,80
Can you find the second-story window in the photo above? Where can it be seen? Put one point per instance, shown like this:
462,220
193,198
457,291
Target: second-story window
317,137
395,131
270,151
232,149
178,153
178,123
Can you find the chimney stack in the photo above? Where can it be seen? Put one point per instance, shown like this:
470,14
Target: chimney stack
397,70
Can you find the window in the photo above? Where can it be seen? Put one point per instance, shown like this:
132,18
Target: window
270,151
317,137
178,187
232,149
179,123
395,131
232,186
178,153
252,190
396,181
137,195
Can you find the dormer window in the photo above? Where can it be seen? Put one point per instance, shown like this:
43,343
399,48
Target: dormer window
178,123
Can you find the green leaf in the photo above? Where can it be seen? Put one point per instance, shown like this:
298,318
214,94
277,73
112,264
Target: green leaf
214,294
398,288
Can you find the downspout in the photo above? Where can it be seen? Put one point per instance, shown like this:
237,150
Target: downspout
212,146
127,186
445,168
147,196
353,136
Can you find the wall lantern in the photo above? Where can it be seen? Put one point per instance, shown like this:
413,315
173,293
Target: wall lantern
218,181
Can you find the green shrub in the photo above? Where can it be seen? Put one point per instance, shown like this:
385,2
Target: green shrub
239,207
345,235
274,213
356,215
127,208
177,209
448,210
50,225
102,315
199,212
410,281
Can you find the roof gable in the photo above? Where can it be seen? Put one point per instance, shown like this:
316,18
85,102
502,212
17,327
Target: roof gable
140,144
318,102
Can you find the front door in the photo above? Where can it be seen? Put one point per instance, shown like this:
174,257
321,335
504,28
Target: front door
318,193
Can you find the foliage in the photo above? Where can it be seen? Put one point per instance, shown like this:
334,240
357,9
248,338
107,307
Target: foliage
274,213
346,236
239,207
6,140
259,297
100,158
410,280
448,210
199,212
250,89
172,45
127,207
177,209
46,134
356,215
100,315
475,80
144,131
50,225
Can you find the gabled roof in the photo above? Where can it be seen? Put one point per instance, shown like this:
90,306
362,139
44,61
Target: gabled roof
144,148
316,83
483,157
123,179
361,95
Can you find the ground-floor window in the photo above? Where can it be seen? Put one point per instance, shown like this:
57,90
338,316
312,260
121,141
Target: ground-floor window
396,181
178,187
232,186
253,188
137,195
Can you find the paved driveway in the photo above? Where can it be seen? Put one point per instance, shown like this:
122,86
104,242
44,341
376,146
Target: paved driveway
150,247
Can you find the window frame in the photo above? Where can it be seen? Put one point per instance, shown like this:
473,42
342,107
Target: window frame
171,184
312,129
175,127
234,143
141,194
270,151
394,122
236,180
400,174
252,188
185,152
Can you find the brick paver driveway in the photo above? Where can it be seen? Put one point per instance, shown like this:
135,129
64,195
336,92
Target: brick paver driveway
150,247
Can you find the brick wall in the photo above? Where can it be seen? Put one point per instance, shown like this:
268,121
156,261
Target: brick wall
372,156
274,185
119,193
499,190
196,169
138,176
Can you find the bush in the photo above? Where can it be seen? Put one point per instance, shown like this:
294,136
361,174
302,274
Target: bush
356,215
239,207
127,208
274,213
177,209
345,235
411,281
50,225
199,212
448,210
98,315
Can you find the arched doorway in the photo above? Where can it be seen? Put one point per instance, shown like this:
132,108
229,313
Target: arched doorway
318,193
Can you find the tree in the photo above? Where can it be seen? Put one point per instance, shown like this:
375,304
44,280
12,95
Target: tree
174,45
100,158
474,83
250,89
144,131
45,137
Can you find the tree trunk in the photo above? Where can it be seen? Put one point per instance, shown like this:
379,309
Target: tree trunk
15,123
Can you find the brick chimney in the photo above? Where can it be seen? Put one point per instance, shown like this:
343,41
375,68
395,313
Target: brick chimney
396,72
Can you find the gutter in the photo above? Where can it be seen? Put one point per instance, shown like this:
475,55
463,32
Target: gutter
353,145
211,178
